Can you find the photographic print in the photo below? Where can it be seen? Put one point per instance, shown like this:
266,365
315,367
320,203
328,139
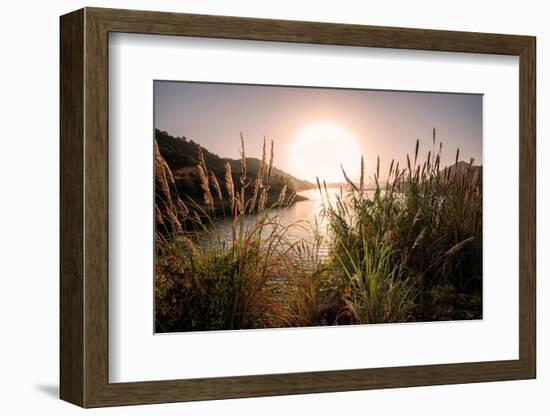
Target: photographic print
290,206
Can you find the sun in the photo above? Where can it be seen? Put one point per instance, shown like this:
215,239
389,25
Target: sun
320,148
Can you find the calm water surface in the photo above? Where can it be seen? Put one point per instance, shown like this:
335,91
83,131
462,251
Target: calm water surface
306,215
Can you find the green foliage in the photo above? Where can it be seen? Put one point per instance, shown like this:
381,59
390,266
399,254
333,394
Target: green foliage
377,290
207,283
193,291
422,229
410,251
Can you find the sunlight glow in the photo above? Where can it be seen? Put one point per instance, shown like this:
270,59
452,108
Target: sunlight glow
319,149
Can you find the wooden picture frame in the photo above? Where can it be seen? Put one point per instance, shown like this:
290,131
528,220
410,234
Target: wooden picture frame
84,207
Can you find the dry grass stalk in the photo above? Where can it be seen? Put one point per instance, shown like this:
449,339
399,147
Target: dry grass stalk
271,158
205,186
229,185
362,177
216,187
243,164
282,195
258,183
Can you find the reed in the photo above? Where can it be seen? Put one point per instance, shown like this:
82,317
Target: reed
417,233
206,280
409,250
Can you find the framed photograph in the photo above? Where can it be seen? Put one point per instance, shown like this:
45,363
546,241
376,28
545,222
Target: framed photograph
257,207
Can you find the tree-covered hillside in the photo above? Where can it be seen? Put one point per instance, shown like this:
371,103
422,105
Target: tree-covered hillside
181,155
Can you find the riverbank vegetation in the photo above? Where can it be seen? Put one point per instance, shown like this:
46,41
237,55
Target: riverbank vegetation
410,251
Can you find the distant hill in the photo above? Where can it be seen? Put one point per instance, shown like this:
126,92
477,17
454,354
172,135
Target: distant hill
461,167
181,155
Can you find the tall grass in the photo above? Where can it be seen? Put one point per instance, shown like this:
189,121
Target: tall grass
412,244
408,251
206,281
306,281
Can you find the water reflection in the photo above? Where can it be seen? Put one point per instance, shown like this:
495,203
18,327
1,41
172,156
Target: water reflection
306,215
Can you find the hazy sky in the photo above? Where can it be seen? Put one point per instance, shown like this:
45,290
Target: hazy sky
385,123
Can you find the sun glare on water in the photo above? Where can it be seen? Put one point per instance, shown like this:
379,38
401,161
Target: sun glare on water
319,149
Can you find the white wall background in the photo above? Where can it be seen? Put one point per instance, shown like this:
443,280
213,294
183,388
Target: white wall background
29,85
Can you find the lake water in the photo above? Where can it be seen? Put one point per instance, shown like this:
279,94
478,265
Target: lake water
306,214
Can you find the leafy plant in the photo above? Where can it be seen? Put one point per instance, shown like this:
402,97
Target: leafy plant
421,228
409,250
